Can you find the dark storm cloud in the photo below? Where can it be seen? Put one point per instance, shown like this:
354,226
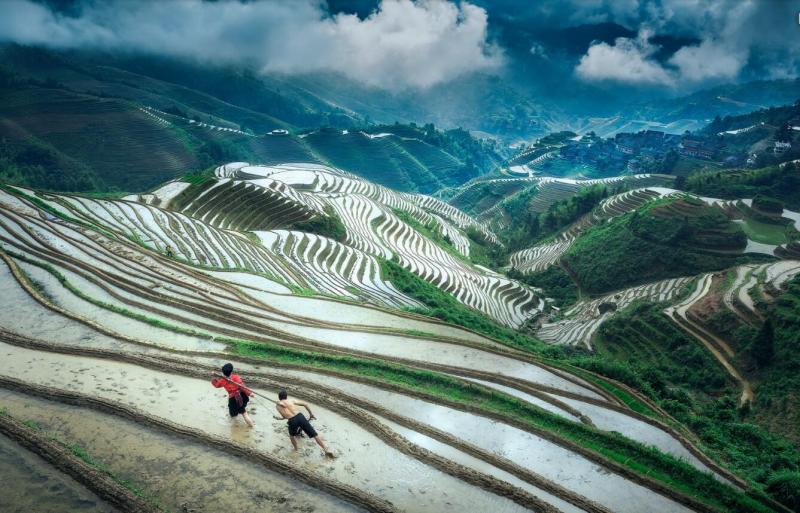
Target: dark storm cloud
400,44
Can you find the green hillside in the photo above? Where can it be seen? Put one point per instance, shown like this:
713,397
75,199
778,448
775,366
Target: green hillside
397,162
85,122
644,349
780,182
212,94
58,139
668,238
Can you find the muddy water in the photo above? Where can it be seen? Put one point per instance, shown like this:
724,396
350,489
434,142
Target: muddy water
363,460
528,398
404,347
30,485
251,281
611,420
21,313
469,461
97,293
176,471
439,353
117,322
333,311
530,451
635,429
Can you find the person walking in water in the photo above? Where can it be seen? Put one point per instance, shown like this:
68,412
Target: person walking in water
289,410
238,393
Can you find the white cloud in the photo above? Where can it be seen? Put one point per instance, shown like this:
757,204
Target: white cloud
627,60
710,60
404,43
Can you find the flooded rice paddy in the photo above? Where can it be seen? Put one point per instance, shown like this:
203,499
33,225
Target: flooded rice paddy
31,484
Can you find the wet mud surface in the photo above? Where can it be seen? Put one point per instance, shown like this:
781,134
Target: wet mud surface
362,457
524,449
181,474
30,485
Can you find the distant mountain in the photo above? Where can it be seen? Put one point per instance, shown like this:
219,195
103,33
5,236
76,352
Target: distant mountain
725,100
71,124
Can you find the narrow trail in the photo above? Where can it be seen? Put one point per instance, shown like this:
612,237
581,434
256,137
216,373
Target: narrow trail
719,348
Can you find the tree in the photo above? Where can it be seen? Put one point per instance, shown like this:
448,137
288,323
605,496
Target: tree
763,350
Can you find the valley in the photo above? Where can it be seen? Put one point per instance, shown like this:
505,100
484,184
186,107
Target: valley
501,257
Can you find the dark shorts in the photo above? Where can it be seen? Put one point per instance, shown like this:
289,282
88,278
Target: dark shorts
238,404
300,423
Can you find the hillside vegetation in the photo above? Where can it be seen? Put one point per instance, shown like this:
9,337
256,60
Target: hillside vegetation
779,375
54,138
70,124
780,182
642,348
669,238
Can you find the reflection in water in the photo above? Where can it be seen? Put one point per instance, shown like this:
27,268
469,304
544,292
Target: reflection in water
30,484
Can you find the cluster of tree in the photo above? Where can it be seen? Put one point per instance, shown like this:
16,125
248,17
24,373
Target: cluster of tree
329,225
779,182
36,164
479,155
775,117
767,204
530,227
637,248
554,281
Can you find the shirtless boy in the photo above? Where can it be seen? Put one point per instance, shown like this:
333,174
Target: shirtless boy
289,410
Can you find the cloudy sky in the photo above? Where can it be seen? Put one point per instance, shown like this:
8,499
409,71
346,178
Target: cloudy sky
396,44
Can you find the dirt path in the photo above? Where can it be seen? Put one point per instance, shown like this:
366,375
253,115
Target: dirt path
715,345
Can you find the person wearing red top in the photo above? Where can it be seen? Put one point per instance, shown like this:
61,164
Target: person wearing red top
238,393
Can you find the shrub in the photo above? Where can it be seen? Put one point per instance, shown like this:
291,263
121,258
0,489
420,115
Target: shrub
329,225
767,204
784,486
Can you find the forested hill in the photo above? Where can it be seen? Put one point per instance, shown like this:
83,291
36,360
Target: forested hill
70,124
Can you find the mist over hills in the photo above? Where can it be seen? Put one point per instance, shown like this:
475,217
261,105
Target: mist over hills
510,71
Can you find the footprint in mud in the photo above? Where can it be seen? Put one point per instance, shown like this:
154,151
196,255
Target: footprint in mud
188,508
277,498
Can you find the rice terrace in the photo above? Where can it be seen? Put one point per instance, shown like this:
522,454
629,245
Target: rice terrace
399,256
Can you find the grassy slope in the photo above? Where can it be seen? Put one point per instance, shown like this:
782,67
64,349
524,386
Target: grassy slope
645,245
777,400
776,182
643,349
111,142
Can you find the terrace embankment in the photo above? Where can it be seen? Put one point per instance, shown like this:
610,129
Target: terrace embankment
145,393
30,483
183,474
61,457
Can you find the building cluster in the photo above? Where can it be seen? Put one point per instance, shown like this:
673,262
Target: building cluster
638,152
708,148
